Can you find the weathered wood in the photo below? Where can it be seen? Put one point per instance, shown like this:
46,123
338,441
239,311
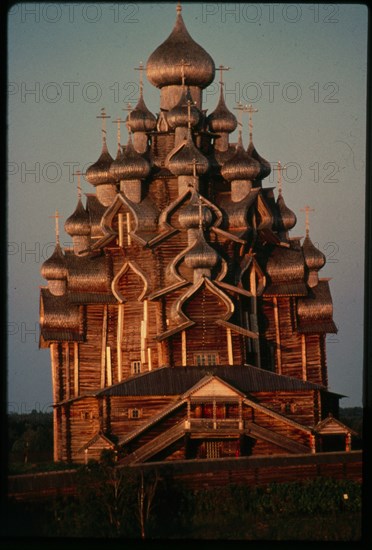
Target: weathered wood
67,368
129,238
303,356
56,427
229,347
188,263
121,229
108,366
277,337
184,348
76,369
118,340
103,345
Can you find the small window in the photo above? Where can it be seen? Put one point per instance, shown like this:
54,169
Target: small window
288,407
135,367
206,359
134,413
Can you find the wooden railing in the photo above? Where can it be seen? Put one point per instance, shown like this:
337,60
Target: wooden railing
198,424
155,445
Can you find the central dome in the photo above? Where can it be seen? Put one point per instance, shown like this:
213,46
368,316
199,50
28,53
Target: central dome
164,66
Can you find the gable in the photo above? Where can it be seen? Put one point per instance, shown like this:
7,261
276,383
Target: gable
332,426
214,387
97,442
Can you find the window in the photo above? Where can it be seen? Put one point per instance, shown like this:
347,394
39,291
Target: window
135,367
288,407
134,413
206,359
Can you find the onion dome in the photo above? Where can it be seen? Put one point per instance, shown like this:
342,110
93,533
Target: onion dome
314,258
221,119
99,172
140,119
115,165
241,166
286,219
130,165
164,64
78,222
285,265
265,168
192,216
178,116
201,255
186,157
54,268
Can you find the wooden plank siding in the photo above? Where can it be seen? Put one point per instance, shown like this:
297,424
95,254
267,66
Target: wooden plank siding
120,422
85,422
90,350
291,350
314,357
297,406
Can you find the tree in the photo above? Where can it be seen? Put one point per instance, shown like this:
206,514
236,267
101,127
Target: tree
146,492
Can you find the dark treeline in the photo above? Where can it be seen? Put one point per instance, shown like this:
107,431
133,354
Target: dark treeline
112,503
30,437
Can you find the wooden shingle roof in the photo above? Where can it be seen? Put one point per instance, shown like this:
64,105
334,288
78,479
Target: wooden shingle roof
177,380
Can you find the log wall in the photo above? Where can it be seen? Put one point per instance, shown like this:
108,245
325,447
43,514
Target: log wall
308,361
297,406
200,474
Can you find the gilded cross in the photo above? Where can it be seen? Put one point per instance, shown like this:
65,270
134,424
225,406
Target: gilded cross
140,69
103,116
78,174
128,108
118,121
240,110
194,164
280,170
307,209
222,68
56,217
250,110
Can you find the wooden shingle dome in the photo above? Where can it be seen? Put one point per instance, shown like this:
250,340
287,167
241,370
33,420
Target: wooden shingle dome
221,119
78,222
131,165
99,172
241,166
163,65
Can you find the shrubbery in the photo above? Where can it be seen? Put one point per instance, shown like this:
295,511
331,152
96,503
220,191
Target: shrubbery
107,505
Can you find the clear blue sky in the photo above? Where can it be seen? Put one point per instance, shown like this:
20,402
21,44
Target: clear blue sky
302,65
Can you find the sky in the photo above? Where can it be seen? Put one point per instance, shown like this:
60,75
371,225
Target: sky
303,66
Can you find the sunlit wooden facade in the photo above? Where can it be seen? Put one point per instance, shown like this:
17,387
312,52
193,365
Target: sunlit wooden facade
186,322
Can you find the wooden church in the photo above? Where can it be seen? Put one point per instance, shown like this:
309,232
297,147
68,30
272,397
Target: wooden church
185,322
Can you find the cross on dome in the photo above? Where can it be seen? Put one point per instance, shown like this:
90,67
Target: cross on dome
140,68
307,209
103,116
250,110
118,121
240,109
78,173
56,216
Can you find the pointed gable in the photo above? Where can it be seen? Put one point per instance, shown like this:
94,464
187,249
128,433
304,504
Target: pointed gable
332,426
213,386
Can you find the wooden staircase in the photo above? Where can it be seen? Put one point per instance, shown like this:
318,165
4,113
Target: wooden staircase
155,445
253,430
